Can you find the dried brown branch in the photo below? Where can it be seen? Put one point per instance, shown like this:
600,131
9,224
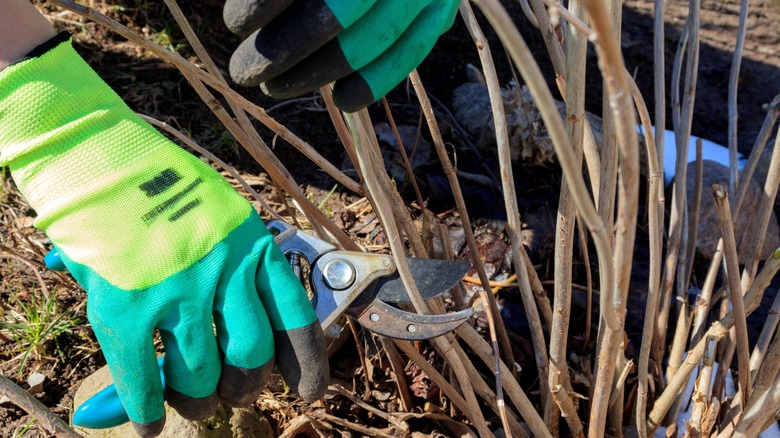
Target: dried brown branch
765,411
765,377
762,216
690,40
767,331
735,289
514,226
575,49
52,423
370,161
773,111
620,105
701,394
718,330
732,97
407,163
528,68
341,128
513,389
495,323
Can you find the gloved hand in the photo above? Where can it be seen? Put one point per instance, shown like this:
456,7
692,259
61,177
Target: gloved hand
366,46
159,240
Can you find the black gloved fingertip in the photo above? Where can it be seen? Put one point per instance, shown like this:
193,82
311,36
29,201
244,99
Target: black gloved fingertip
302,359
240,387
243,17
352,93
192,408
249,67
148,430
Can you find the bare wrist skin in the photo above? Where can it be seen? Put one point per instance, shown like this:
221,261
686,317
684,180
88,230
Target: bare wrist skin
22,28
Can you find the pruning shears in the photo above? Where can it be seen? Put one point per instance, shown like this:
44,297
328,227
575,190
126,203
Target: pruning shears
364,286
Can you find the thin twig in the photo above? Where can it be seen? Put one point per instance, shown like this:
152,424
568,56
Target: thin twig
762,217
436,377
693,217
341,128
620,104
675,221
690,221
359,428
735,289
370,161
588,281
655,212
512,387
52,423
732,106
529,69
756,152
407,163
33,268
514,225
495,323
397,365
681,330
765,377
390,418
765,411
575,50
762,345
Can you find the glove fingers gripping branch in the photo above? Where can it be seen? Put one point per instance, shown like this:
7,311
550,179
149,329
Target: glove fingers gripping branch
315,42
157,238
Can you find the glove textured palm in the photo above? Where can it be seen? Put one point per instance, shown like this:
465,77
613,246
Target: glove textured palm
366,46
160,241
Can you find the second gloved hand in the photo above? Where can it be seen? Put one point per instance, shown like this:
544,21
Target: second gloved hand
160,241
366,46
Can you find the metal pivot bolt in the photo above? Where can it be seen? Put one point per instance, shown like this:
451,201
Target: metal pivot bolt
339,274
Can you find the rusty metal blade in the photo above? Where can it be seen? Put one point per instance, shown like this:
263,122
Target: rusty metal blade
381,318
432,277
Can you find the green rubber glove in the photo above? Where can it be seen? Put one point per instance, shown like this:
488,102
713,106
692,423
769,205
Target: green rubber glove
159,240
366,46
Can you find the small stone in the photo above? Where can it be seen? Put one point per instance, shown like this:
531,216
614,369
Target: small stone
35,381
225,423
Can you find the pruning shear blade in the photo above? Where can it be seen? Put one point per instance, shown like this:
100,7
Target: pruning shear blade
362,284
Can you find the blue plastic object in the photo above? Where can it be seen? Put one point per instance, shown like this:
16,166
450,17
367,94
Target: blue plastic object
105,409
53,261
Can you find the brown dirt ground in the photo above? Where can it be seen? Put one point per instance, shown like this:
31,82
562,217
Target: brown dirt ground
157,89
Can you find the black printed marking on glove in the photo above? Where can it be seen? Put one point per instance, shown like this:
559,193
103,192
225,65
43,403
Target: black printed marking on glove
152,214
182,211
160,183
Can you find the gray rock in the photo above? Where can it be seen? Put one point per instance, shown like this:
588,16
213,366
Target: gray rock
709,229
762,169
529,140
225,423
